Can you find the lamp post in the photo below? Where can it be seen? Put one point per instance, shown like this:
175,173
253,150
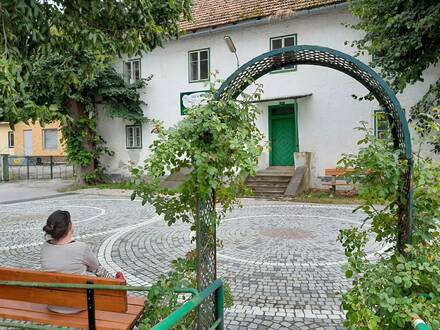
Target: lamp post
232,48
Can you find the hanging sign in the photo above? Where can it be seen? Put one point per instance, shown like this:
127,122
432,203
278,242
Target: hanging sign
192,99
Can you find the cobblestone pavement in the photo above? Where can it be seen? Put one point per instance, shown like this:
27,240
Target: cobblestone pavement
281,260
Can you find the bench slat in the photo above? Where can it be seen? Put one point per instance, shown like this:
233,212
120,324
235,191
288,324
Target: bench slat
26,311
114,301
337,171
63,298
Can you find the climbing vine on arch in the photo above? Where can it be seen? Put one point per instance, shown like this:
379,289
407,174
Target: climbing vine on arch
218,143
388,291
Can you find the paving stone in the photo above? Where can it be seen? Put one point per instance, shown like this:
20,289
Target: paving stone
281,260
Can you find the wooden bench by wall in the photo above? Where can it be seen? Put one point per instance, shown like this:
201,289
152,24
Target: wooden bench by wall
335,174
112,308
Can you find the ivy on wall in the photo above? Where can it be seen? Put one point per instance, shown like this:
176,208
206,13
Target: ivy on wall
84,145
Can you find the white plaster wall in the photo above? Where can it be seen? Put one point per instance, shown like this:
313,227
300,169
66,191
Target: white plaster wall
326,119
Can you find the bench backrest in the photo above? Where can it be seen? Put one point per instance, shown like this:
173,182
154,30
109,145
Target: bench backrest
106,300
337,171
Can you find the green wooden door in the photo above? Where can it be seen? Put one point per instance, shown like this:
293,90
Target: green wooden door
283,134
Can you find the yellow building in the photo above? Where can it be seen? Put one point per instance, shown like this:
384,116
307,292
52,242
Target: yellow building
34,140
6,134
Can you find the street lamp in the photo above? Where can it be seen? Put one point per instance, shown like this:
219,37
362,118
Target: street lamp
232,48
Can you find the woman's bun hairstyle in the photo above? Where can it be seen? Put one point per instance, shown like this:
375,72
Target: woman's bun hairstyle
58,224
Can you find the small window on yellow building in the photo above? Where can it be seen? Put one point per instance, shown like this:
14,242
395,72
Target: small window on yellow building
11,142
50,139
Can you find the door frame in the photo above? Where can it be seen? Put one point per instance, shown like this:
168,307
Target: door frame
295,125
27,131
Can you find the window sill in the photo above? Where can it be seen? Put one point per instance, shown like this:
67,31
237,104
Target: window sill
133,148
197,81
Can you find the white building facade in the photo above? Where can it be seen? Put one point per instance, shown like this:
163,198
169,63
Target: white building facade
304,108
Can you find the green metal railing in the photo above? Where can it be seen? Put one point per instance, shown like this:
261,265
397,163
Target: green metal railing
215,288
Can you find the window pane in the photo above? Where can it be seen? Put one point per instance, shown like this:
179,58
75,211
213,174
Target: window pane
203,55
289,41
136,70
11,140
130,137
204,70
194,71
381,125
138,137
127,72
50,139
276,43
194,57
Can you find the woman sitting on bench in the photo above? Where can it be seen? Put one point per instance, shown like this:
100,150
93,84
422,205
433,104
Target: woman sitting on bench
60,253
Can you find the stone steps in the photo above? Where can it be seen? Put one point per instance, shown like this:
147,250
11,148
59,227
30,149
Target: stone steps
271,182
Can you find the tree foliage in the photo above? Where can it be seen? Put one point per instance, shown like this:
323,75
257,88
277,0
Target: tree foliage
386,292
76,30
403,37
57,57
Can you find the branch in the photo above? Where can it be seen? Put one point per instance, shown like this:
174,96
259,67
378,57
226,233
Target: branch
4,33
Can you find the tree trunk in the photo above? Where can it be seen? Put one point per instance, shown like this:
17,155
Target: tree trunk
76,111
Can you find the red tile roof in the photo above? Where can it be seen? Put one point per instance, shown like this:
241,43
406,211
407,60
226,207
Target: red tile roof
210,13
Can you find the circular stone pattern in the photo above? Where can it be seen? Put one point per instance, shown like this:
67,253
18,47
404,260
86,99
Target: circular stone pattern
282,238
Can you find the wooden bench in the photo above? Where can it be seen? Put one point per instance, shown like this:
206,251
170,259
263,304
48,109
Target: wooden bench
111,309
335,174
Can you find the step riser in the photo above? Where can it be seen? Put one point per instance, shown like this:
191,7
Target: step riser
266,186
269,179
273,190
265,173
260,195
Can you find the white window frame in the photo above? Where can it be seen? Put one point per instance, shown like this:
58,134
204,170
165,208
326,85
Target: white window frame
283,38
198,51
11,141
377,133
44,138
133,141
130,73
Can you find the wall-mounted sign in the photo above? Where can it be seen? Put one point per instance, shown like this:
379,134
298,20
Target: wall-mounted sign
192,99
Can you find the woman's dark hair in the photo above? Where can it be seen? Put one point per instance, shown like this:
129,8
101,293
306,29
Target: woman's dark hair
58,224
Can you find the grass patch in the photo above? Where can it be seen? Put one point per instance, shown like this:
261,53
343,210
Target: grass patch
124,185
326,197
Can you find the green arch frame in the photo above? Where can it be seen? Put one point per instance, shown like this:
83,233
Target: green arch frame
309,55
331,58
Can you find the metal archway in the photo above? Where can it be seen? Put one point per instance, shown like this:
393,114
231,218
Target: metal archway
327,57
